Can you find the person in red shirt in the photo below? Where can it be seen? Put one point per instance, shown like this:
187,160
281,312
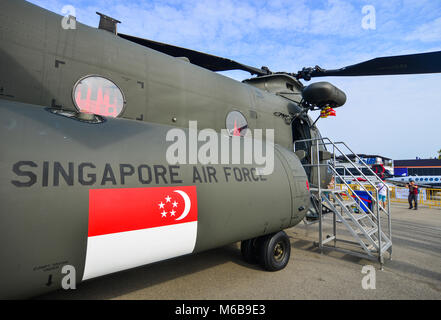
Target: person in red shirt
413,194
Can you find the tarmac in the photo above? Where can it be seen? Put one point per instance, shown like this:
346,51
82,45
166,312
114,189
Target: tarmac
413,273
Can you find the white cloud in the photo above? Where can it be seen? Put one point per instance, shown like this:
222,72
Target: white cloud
337,18
395,116
428,32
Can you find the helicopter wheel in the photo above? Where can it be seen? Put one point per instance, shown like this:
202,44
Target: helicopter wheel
275,250
249,250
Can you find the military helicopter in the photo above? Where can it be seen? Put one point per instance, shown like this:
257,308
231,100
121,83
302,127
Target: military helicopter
84,180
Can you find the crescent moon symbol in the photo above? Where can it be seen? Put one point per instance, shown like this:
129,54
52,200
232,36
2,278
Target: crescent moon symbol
187,203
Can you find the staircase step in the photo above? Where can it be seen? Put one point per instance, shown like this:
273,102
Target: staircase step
359,216
369,231
385,244
336,191
346,203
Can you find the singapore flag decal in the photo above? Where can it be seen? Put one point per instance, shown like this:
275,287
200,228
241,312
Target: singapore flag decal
131,227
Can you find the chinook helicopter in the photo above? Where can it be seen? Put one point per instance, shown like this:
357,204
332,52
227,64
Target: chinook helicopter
84,179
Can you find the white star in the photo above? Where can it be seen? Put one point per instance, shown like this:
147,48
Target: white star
172,213
164,214
175,204
167,198
161,205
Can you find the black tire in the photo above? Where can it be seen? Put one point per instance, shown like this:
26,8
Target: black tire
274,251
249,251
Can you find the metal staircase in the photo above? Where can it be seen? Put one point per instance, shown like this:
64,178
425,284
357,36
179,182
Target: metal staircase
346,206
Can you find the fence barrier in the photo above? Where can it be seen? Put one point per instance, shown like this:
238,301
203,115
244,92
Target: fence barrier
429,197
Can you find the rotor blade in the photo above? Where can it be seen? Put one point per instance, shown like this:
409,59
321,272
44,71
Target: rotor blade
406,64
201,59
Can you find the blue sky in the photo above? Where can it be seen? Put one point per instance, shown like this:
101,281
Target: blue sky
395,116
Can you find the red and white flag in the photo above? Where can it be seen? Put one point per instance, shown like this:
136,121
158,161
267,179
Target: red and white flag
135,226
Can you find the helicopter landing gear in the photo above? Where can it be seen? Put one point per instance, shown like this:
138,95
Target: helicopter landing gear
248,248
271,251
275,250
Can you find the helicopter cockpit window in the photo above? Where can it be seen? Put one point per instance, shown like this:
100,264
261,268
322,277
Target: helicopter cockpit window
98,95
236,124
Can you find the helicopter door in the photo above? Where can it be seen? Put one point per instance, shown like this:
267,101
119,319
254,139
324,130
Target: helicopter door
301,131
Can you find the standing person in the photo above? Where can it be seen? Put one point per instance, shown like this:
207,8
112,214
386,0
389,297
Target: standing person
382,192
331,184
413,194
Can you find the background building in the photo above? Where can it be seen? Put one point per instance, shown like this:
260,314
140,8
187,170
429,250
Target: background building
419,167
380,165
